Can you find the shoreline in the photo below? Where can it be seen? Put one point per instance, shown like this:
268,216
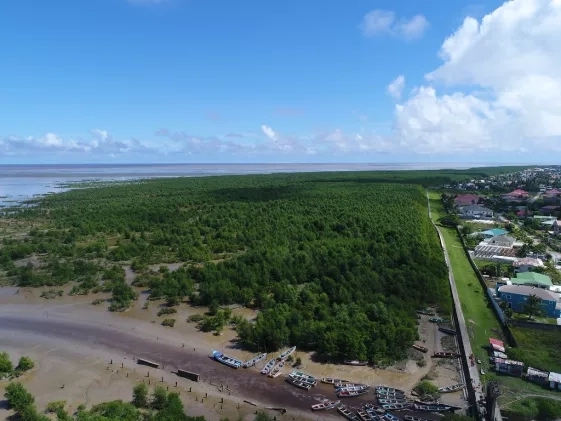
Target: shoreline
124,337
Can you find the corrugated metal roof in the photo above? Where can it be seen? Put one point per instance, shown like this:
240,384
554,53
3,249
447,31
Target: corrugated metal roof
508,362
554,377
537,373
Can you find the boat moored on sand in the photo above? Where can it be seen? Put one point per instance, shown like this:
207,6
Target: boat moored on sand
268,367
286,353
351,393
325,405
450,389
253,361
355,362
276,371
330,380
298,383
389,390
224,359
344,411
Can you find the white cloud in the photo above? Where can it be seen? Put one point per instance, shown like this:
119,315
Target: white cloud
380,22
269,132
511,63
395,88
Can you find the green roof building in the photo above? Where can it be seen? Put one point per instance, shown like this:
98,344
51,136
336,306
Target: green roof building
532,278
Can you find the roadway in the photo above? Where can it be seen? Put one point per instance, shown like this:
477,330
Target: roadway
472,375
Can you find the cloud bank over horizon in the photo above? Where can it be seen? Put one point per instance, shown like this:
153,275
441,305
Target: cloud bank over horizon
497,89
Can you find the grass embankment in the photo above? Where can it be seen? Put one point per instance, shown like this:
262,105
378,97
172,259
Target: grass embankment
536,348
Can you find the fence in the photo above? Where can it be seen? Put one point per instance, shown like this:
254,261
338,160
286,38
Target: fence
532,325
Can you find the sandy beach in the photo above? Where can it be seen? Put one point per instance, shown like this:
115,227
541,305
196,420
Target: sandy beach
73,343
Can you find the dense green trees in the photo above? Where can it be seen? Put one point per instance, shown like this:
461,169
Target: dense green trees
335,262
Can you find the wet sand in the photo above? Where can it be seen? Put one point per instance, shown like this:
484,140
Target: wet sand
131,334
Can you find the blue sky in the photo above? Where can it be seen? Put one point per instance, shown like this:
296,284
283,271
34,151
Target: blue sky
266,81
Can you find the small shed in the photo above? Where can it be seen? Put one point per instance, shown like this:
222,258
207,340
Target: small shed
554,380
537,376
514,368
499,354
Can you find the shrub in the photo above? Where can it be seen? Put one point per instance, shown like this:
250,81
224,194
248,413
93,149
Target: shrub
98,301
6,366
140,395
25,364
55,406
167,311
195,318
426,388
18,397
159,398
168,322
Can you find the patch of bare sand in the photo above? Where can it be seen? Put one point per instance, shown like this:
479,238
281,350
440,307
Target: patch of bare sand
89,378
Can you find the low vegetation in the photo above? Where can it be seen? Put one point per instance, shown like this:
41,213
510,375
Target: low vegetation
7,368
158,405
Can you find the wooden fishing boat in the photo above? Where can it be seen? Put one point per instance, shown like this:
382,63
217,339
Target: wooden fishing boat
363,415
396,406
268,367
375,408
325,405
254,361
375,416
384,395
351,393
412,418
445,355
286,353
345,384
329,380
391,401
352,388
311,380
297,383
420,348
344,411
446,330
385,389
436,320
450,389
224,359
355,362
432,407
276,371
391,417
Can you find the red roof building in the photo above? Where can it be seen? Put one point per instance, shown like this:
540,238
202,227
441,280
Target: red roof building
466,199
518,193
497,345
553,192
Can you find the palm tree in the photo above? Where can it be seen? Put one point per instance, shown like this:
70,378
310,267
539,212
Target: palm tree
533,306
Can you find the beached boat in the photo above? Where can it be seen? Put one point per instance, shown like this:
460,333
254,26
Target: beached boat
351,393
224,359
311,380
355,362
446,330
352,388
420,348
385,389
374,415
285,354
391,401
363,415
391,417
297,383
436,320
345,385
432,407
445,355
276,371
344,411
375,408
449,389
396,406
254,361
412,418
390,395
325,405
426,312
268,367
329,380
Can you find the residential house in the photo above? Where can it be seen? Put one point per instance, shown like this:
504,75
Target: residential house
534,279
492,233
551,197
537,376
501,241
476,211
515,196
526,264
514,368
549,209
516,296
554,380
462,200
523,213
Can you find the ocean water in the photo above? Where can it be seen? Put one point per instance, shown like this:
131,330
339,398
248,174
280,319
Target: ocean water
21,182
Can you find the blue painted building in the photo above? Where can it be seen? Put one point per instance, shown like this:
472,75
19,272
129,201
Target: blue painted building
516,295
